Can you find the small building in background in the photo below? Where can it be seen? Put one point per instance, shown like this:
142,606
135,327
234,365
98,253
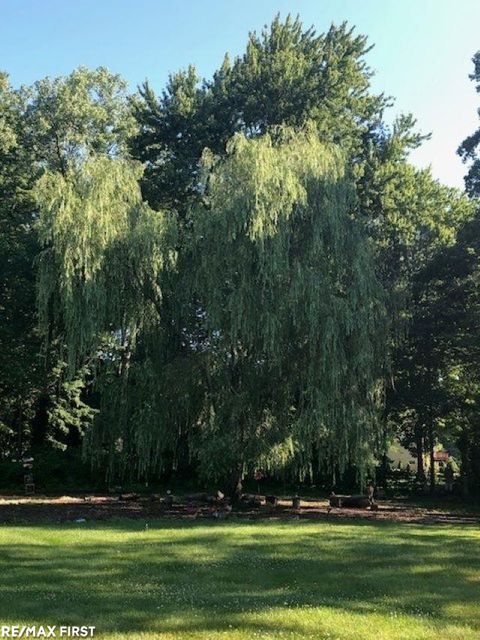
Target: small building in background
402,458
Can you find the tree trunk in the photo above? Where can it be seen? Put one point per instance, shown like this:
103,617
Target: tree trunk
236,484
40,419
18,427
419,446
465,471
431,443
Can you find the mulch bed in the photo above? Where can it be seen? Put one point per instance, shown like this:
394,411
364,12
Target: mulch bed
44,509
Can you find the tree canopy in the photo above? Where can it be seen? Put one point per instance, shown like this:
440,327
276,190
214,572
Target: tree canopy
245,272
469,149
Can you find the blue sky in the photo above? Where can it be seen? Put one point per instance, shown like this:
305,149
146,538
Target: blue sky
422,53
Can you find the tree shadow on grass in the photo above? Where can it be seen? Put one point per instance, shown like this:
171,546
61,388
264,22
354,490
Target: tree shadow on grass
179,577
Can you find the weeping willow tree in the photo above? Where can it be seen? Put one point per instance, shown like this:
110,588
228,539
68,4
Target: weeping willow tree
293,311
285,352
104,253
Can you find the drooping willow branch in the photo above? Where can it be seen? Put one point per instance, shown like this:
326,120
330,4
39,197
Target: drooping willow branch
99,241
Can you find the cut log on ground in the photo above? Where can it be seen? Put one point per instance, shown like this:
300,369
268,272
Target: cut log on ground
352,502
128,497
251,500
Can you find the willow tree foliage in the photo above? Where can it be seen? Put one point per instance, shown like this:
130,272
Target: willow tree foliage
52,125
292,306
234,313
176,402
291,314
103,251
288,75
103,255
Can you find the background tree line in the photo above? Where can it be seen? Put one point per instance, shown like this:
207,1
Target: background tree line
240,273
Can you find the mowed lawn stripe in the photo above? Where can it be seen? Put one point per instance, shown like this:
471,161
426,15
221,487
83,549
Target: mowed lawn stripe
237,579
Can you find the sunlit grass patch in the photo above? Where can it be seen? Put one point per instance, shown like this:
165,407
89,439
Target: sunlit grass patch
241,580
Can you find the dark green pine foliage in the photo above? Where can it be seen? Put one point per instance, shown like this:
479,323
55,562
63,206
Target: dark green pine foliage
469,150
20,373
287,76
450,289
430,272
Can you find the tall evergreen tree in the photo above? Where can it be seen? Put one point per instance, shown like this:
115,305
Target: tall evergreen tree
469,149
449,325
287,76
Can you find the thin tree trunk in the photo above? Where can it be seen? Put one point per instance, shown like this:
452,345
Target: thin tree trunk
431,443
465,471
419,447
19,428
236,484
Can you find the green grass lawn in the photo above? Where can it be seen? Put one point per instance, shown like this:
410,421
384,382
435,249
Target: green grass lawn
233,580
